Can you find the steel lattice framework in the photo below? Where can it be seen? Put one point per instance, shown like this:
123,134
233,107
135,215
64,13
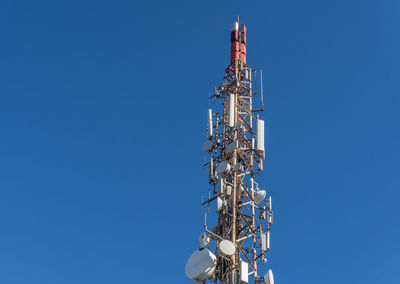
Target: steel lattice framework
234,137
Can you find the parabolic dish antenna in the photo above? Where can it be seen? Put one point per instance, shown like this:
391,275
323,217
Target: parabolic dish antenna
227,247
269,277
201,265
224,166
206,146
259,196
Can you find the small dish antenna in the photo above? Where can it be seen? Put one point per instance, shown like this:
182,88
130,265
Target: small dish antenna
207,146
223,167
269,277
259,196
227,247
204,240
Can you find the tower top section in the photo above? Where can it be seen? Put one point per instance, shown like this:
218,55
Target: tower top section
238,42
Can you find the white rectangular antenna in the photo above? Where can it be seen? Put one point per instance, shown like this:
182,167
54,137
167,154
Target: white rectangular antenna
244,272
232,146
260,136
228,190
211,170
231,110
253,143
210,123
265,242
220,186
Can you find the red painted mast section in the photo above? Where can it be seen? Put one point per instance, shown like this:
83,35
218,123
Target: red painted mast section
238,49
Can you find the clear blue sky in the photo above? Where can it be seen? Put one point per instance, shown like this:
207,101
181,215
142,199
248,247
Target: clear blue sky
103,112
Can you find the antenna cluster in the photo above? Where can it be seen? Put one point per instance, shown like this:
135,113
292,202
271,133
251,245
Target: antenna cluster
232,250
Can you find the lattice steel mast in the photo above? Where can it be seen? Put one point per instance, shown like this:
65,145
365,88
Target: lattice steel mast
236,154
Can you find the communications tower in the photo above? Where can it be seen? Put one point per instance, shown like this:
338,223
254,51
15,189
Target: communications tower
233,250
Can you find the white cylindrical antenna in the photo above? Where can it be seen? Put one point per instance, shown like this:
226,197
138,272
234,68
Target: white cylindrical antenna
260,164
211,170
231,110
210,123
220,204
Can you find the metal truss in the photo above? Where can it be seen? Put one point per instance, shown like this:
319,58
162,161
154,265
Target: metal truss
240,220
